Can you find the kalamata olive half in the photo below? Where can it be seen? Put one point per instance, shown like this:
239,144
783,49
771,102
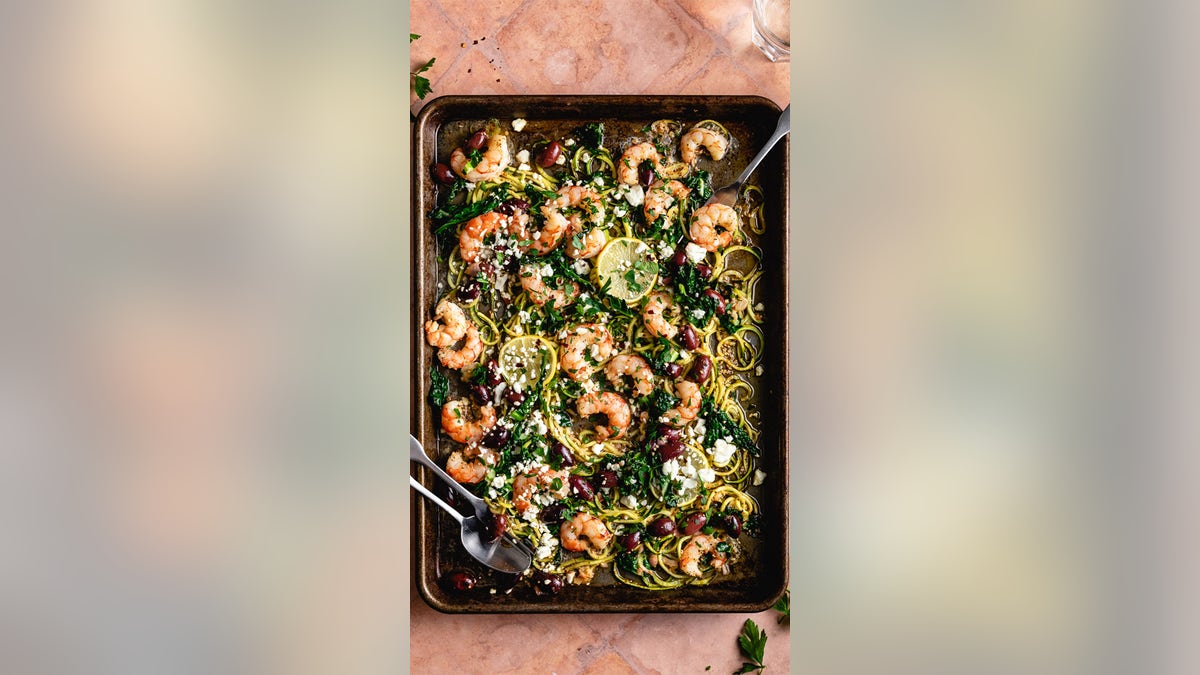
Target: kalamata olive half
701,369
482,395
514,397
546,584
661,527
497,437
581,488
553,513
631,541
693,522
492,373
716,298
469,292
550,155
688,338
497,525
673,370
704,271
646,175
733,524
679,259
459,580
670,449
668,431
476,141
606,478
511,206
563,453
442,174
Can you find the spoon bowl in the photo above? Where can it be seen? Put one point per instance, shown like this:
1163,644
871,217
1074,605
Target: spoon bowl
501,554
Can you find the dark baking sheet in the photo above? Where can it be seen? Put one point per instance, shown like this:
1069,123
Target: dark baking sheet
440,127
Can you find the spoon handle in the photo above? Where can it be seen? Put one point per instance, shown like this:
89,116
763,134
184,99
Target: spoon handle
416,452
781,129
434,498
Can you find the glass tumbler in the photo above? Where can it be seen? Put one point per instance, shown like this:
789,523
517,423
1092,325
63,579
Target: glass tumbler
773,28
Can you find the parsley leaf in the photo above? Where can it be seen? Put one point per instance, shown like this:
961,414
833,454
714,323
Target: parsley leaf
784,607
412,37
753,642
420,84
439,390
591,135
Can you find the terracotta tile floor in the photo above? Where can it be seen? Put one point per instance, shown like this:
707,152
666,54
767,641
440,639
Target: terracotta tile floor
596,47
592,47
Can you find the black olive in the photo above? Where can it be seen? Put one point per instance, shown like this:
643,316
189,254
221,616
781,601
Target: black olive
661,527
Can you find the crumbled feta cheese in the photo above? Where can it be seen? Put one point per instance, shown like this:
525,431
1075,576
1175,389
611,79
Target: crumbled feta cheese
629,501
698,313
598,448
544,552
547,270
518,124
569,142
664,250
671,468
523,167
759,477
758,307
523,156
599,180
498,482
758,370
619,212
707,475
635,195
470,186
562,159
694,253
723,451
581,266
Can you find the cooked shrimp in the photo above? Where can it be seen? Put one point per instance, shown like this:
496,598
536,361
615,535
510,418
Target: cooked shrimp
490,165
581,245
568,212
584,531
583,575
466,354
633,366
613,406
456,422
470,242
654,315
540,293
587,346
541,477
697,549
449,325
631,161
691,142
689,404
463,470
713,226
660,197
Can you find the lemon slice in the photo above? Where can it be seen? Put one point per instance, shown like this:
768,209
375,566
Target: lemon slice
629,267
525,360
685,495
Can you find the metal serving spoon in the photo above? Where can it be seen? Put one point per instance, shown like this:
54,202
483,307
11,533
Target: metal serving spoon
728,195
416,452
499,555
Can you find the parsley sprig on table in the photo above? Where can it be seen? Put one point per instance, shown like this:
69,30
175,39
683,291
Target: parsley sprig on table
753,642
420,84
784,607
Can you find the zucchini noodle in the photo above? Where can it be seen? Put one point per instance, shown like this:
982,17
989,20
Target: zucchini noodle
667,467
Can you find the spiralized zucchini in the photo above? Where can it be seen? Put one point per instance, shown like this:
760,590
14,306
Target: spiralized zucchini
547,447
